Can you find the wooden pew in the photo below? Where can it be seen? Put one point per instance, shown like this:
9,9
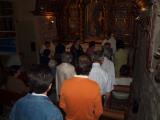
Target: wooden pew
114,114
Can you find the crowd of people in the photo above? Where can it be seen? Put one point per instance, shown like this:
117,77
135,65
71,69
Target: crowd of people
81,79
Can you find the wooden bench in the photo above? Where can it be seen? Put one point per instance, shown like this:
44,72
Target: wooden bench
114,114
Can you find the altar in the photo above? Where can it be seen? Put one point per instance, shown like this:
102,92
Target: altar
94,21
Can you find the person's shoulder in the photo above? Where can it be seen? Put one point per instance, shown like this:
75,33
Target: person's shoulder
65,67
92,82
93,85
49,106
22,100
69,65
111,62
52,111
72,68
59,66
69,81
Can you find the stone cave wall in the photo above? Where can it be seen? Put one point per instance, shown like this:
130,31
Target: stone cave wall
147,91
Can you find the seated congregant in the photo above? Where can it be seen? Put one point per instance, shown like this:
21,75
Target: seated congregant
120,57
124,78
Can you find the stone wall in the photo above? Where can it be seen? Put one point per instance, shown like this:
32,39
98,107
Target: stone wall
147,91
25,31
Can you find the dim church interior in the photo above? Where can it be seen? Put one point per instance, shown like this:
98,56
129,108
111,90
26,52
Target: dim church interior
25,25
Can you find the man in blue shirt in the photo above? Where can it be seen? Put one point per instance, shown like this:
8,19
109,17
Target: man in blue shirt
36,105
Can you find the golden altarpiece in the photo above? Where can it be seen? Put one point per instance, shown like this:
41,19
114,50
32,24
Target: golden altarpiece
90,19
94,19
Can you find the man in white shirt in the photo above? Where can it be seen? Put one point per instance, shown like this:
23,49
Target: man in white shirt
99,75
108,66
111,39
64,71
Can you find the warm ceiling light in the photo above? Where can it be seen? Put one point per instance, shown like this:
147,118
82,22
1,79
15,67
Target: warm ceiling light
143,9
48,17
52,21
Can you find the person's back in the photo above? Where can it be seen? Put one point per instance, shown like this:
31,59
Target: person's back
32,107
81,97
99,76
60,48
108,66
36,105
64,71
45,58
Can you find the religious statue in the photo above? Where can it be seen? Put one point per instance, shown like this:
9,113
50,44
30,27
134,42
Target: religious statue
95,18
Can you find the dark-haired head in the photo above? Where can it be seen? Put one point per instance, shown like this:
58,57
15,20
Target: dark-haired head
120,43
92,44
107,53
124,71
84,65
47,44
66,57
40,78
46,52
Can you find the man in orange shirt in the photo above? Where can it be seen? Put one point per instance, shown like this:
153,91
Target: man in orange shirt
80,97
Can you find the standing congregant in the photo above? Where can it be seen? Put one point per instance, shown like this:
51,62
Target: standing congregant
36,105
64,71
76,51
80,97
